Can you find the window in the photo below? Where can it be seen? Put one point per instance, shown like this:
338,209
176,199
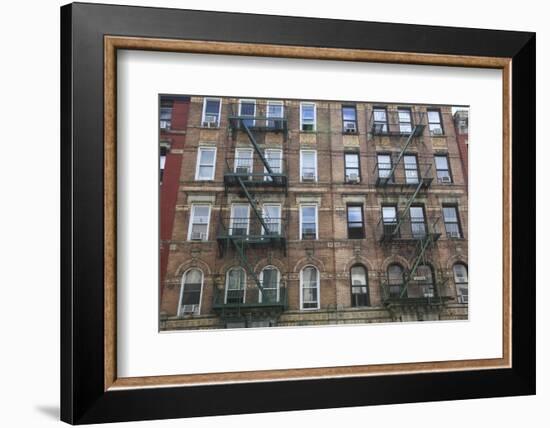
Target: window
275,110
349,119
425,282
434,122
384,166
395,280
418,223
442,169
190,297
308,116
460,273
380,116
206,164
165,116
198,224
356,225
274,158
308,165
269,278
411,169
452,225
359,289
389,219
235,286
308,222
211,112
238,225
351,162
247,108
244,162
405,120
272,218
162,164
309,284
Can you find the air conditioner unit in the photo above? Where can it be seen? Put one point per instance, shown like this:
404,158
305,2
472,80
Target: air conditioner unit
164,124
445,179
437,131
309,234
463,298
350,128
308,176
189,309
210,121
353,178
242,170
453,234
198,236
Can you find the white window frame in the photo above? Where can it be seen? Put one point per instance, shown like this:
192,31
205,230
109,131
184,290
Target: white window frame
302,163
204,109
180,306
232,217
314,116
278,282
248,101
191,217
274,103
227,283
264,212
244,150
197,167
316,220
302,289
280,157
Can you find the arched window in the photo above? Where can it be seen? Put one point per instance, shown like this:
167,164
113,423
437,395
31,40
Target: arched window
235,285
359,287
190,297
424,279
395,280
309,288
270,279
460,273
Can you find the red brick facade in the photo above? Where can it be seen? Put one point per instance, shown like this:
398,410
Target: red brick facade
333,254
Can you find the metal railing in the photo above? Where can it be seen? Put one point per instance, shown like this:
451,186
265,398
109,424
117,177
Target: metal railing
392,122
251,228
403,175
264,116
391,229
414,292
251,297
252,170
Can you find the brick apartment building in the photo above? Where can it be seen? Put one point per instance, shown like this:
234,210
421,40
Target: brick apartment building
300,212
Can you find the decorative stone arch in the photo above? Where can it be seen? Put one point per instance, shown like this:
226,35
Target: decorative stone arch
310,260
457,258
262,263
197,263
395,258
358,260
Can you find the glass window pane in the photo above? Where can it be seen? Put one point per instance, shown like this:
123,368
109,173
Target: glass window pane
308,214
212,107
433,117
308,160
247,108
352,160
207,157
379,115
206,172
358,276
460,273
355,214
417,214
449,214
441,162
275,110
389,214
349,113
308,112
404,115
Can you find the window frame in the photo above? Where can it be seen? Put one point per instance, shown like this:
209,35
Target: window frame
440,123
226,288
182,291
458,222
362,210
449,172
278,282
302,152
416,235
273,150
198,166
417,169
374,121
191,223
248,101
461,283
355,121
310,103
232,218
346,179
166,107
318,288
280,218
352,286
316,222
394,285
205,100
244,150
388,177
410,122
273,118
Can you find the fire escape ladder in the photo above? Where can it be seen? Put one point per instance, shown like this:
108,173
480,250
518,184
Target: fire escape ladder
405,212
239,247
256,147
414,133
253,204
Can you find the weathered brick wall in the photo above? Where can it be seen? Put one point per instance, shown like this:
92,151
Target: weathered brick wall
333,254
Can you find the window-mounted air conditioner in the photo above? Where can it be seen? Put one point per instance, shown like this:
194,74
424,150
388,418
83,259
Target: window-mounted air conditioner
189,309
350,128
463,298
308,176
353,178
198,236
453,234
210,121
445,179
437,131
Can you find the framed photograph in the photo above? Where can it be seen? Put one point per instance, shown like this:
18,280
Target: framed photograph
266,213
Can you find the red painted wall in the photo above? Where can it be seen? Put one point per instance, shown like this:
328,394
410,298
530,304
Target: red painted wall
170,182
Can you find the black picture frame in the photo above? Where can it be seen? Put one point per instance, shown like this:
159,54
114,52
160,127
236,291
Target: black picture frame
83,399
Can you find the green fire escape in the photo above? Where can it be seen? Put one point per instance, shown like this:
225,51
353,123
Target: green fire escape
241,234
398,226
